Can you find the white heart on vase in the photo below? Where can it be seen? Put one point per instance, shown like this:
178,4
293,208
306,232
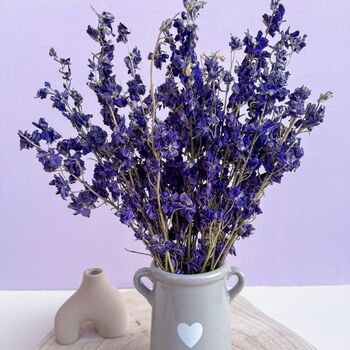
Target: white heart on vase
190,335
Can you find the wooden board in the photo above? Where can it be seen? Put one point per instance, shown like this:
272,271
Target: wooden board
251,330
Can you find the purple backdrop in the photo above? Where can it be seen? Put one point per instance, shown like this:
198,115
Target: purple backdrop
303,235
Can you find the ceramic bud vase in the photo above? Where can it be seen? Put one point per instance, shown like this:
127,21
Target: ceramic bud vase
190,311
96,300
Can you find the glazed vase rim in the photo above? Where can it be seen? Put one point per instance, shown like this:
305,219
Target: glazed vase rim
193,279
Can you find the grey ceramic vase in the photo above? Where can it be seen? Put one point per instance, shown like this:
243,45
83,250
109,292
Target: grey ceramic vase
190,311
96,300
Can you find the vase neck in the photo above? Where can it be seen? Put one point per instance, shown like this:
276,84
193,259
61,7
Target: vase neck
206,278
94,277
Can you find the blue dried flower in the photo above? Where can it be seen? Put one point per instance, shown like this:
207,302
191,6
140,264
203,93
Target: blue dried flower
183,163
47,133
107,19
235,43
28,141
92,32
83,203
160,57
314,116
62,186
125,214
136,88
96,137
122,33
274,21
75,166
50,159
133,60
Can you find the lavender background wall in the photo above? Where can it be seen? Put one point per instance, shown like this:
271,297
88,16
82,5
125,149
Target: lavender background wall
303,237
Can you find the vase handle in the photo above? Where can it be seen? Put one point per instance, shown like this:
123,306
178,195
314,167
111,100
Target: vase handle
234,291
140,286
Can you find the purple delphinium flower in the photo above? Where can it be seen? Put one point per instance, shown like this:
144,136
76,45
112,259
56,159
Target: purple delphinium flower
50,160
186,162
62,186
235,43
133,60
122,33
47,133
83,203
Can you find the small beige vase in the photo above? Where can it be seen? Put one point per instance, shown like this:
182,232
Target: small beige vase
96,300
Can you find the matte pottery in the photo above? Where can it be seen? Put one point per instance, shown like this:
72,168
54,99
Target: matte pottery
190,311
96,300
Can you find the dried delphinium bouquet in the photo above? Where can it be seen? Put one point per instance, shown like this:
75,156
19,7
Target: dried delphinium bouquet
188,184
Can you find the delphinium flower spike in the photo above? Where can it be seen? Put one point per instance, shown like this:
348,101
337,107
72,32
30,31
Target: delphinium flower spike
186,162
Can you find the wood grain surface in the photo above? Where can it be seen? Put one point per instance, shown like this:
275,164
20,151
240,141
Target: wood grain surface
251,330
